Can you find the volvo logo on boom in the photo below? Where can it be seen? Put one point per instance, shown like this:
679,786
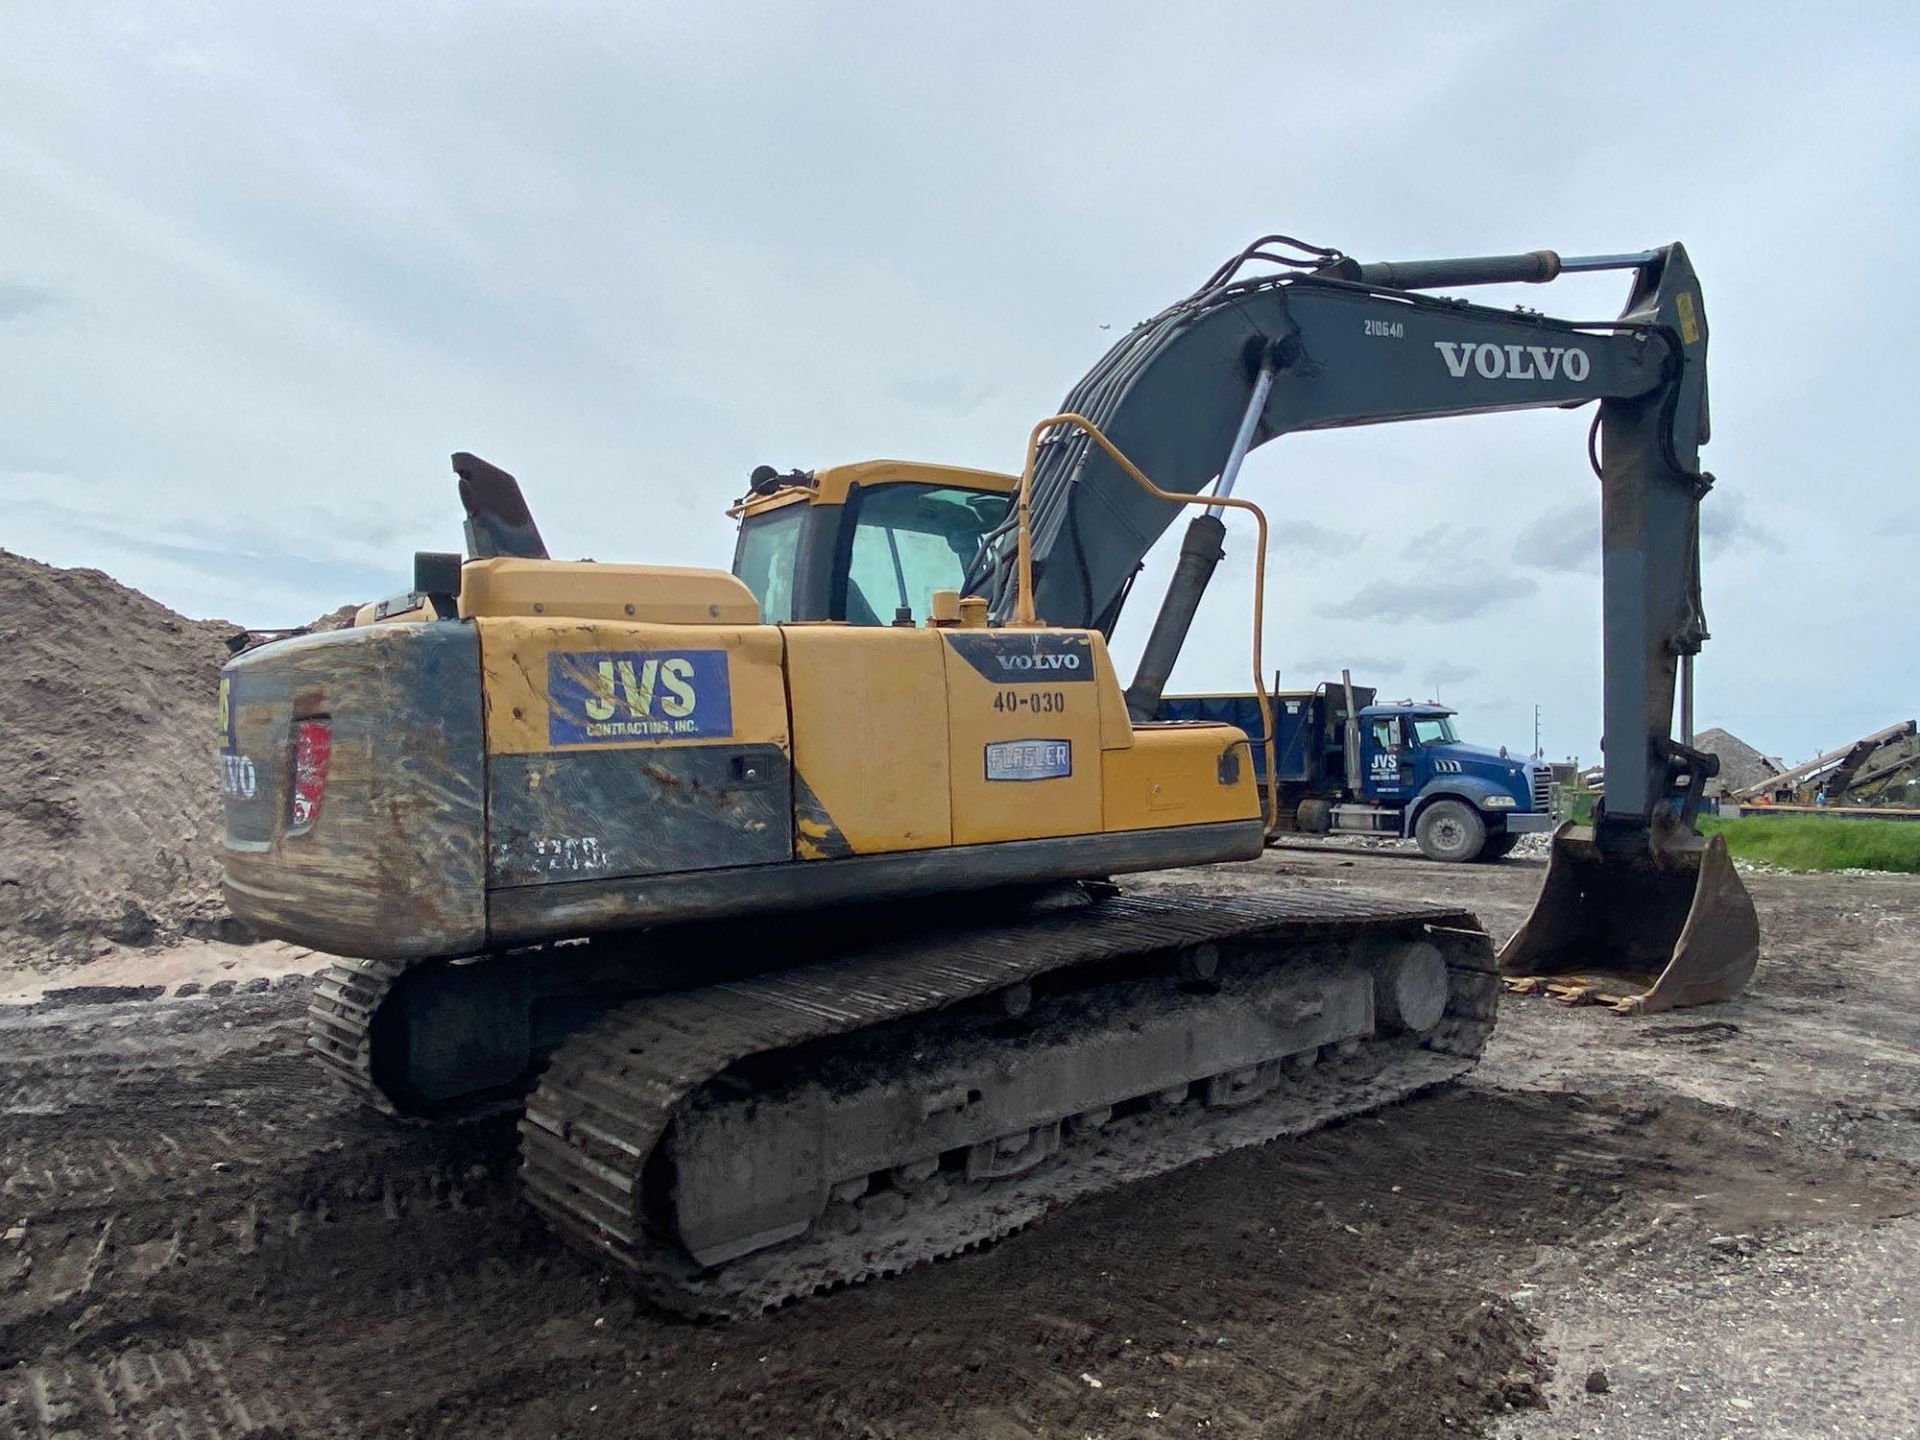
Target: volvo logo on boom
1514,362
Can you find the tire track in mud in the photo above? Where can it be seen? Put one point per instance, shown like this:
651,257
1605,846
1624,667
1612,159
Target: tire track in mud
188,1390
173,1172
200,1236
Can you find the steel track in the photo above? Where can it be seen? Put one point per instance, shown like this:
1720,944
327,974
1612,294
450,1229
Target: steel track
346,996
610,1093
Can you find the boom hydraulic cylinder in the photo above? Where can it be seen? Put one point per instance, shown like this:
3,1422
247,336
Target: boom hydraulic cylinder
1200,554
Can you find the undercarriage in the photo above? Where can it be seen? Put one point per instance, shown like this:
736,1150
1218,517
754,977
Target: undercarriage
737,1144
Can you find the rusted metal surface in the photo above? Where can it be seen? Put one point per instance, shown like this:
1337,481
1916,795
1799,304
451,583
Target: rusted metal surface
1843,763
393,864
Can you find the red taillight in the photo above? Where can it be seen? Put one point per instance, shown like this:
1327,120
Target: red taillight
312,744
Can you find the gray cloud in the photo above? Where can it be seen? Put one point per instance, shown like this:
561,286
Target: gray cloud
1291,545
949,392
1434,596
1726,528
631,258
18,301
1565,539
1363,666
1445,672
1303,537
260,567
1446,537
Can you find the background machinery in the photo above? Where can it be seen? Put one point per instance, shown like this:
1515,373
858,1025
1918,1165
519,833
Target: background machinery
1879,773
1349,765
778,898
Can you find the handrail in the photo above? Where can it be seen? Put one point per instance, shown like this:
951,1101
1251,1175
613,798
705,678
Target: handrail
1026,617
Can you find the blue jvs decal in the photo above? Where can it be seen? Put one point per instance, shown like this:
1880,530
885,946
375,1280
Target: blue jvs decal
1029,759
604,696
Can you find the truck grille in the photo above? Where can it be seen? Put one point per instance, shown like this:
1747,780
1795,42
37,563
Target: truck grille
1542,779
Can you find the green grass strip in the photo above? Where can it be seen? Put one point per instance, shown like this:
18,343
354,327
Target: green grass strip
1818,842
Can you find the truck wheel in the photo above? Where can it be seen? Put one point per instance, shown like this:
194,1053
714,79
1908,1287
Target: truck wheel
1314,816
1450,831
1498,846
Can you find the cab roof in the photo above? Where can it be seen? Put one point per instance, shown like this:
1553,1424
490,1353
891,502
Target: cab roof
830,486
1406,707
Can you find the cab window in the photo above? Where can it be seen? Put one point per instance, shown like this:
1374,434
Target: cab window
1386,733
765,560
909,541
1433,730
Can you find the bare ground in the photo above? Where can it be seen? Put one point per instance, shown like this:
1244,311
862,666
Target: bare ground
1717,1209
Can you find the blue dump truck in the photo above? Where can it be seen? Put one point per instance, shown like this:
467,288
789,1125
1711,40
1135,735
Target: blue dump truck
1350,766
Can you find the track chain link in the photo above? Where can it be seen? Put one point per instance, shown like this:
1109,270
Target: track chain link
611,1091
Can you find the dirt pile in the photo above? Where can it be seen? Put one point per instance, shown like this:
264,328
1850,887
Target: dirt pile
109,811
1740,764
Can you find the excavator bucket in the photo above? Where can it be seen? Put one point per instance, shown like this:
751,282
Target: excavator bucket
1652,930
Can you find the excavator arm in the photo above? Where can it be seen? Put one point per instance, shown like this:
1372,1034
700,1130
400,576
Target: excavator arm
1329,342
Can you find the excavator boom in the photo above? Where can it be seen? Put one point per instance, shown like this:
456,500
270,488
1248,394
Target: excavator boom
1329,342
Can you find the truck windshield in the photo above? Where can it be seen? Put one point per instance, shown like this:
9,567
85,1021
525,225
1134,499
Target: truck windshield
909,541
1434,729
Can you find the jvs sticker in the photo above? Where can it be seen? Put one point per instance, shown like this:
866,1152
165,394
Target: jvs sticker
1029,759
602,696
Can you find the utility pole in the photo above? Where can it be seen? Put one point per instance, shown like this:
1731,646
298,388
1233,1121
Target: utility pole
1536,731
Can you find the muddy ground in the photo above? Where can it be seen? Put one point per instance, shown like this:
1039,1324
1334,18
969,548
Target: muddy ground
1716,1210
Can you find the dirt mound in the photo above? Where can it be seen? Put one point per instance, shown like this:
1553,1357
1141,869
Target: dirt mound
109,813
338,619
1740,764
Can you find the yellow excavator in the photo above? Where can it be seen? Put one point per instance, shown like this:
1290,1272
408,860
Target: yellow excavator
781,901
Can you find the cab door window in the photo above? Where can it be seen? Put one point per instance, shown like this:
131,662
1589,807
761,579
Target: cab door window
908,541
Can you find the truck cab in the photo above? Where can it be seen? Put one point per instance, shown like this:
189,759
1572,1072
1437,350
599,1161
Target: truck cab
1348,765
1461,801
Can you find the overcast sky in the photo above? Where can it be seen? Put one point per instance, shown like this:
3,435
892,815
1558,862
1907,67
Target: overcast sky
263,266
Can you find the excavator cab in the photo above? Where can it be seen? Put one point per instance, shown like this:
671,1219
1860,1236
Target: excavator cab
867,543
